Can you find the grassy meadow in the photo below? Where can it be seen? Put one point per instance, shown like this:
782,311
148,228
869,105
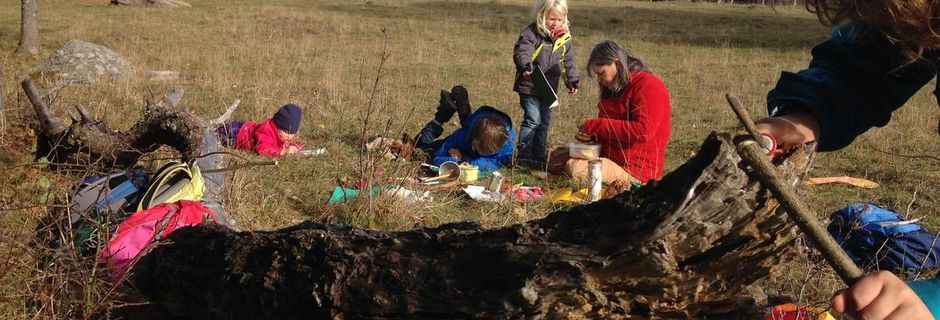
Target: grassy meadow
356,82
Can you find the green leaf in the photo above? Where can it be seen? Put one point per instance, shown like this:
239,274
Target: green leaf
44,182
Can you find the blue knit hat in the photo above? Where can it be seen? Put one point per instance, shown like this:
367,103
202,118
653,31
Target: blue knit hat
288,118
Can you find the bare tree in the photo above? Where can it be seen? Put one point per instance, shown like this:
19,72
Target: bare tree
3,116
29,27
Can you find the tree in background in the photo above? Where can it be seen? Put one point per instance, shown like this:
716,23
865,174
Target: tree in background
29,28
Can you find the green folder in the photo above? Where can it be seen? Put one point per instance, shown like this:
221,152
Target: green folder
543,89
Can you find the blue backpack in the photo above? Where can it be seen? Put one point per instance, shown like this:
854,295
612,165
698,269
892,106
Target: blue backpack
879,239
99,201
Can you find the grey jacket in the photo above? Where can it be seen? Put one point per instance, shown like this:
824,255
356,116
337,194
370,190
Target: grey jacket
528,41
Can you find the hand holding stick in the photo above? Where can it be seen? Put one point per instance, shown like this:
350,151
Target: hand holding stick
752,152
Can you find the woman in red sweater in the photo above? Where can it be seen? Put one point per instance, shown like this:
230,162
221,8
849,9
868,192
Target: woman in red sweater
633,121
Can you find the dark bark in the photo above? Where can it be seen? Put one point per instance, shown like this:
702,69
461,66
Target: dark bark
29,27
3,104
90,141
687,246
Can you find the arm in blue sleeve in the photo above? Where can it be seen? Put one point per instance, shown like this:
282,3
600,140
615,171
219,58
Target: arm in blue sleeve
486,164
452,141
854,82
929,292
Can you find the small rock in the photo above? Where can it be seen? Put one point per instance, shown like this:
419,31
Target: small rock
161,75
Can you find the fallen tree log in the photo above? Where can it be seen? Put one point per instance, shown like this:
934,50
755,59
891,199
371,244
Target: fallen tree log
687,246
89,141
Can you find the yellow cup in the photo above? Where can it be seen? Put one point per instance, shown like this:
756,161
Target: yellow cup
469,173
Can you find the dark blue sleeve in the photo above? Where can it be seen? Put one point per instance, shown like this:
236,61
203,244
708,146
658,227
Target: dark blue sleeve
854,82
452,141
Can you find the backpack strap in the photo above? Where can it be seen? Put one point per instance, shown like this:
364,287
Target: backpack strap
559,43
164,174
535,54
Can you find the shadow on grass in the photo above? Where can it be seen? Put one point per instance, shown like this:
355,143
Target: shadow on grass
709,27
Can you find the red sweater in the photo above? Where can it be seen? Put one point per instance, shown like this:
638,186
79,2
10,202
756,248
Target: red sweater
262,138
633,128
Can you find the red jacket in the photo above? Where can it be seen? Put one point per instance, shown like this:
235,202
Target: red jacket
262,138
633,128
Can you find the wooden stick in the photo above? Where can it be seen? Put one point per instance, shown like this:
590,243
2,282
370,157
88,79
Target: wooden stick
744,117
47,121
752,153
242,166
756,156
224,117
3,117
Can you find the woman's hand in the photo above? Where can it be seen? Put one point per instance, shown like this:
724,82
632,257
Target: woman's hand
881,295
791,130
583,137
455,153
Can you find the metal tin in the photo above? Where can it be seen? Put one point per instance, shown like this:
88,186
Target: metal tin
496,183
595,179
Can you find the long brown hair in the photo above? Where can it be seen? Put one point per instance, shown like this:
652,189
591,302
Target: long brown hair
607,52
489,135
912,24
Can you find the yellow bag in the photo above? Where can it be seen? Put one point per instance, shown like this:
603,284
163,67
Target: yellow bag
174,181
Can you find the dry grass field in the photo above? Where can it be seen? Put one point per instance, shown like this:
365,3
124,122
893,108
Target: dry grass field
325,55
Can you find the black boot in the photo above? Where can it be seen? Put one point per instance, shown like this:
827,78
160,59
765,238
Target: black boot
462,101
446,108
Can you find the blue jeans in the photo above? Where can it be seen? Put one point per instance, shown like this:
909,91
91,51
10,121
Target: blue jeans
228,133
427,137
534,132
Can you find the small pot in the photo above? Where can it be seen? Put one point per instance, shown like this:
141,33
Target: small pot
449,169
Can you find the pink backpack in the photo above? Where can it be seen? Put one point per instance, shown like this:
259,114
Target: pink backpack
135,235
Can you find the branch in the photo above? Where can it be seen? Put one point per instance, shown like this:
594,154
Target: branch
225,116
47,122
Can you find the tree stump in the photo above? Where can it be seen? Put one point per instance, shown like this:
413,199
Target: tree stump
686,246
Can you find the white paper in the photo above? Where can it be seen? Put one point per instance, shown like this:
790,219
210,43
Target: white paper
479,193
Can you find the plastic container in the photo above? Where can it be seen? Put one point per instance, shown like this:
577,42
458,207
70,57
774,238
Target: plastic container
469,173
586,151
449,169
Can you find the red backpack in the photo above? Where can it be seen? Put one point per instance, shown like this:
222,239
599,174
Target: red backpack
135,235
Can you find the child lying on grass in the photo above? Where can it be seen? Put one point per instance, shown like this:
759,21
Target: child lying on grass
273,137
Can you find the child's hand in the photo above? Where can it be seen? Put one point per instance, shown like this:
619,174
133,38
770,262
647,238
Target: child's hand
881,295
573,91
791,130
527,75
289,150
455,153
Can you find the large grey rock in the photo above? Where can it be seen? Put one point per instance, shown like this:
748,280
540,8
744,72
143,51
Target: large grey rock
85,62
